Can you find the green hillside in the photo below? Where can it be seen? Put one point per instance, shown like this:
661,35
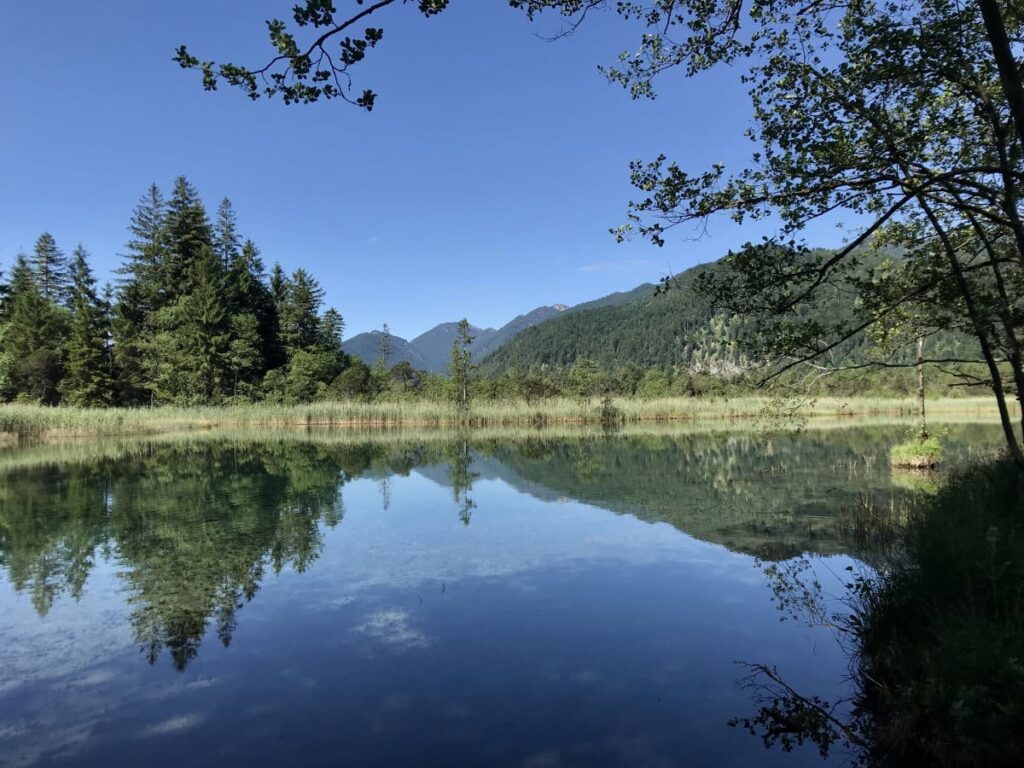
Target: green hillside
680,330
677,328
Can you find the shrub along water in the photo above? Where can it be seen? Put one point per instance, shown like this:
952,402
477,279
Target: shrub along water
936,635
942,635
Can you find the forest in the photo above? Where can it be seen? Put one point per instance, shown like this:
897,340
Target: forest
193,318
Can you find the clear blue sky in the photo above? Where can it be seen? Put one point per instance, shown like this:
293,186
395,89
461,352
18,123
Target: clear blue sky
482,185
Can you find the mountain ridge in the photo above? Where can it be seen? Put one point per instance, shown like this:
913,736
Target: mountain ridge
430,350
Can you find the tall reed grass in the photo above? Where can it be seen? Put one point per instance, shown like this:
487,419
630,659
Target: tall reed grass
40,421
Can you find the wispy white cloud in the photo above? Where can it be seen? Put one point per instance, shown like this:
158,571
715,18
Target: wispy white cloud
393,628
617,265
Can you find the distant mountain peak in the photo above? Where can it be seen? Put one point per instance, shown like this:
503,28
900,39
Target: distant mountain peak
431,350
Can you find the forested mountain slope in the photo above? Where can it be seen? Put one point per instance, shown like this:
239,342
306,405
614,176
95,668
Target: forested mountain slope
677,328
680,329
430,351
366,346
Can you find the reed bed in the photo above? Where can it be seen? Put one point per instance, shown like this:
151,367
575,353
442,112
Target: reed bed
21,421
63,449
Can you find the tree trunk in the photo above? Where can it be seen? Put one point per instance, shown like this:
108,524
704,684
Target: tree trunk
923,434
1002,52
982,333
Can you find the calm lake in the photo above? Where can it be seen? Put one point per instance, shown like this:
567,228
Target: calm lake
420,599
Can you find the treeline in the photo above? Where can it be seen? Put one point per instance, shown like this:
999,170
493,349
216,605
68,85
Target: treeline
193,318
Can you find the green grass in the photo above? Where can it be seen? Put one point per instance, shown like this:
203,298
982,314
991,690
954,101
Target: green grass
917,453
40,421
942,639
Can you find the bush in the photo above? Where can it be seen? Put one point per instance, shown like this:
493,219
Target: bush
942,640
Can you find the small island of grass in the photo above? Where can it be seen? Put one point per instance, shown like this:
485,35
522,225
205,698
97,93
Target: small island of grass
923,452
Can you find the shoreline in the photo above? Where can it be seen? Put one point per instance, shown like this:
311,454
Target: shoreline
20,422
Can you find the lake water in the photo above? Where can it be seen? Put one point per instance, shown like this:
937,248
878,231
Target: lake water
328,599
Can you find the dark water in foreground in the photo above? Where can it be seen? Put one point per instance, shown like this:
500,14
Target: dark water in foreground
529,601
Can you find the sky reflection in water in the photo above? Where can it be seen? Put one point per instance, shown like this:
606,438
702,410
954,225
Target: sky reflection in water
535,603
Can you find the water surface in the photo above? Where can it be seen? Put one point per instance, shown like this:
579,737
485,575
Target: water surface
444,600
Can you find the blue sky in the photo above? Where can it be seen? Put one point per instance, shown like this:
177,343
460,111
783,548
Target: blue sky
482,185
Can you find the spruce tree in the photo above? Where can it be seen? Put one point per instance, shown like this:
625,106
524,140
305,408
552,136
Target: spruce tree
380,365
87,379
50,268
244,354
460,366
225,234
189,237
31,343
141,293
147,250
332,327
5,294
209,326
278,286
133,325
250,294
192,344
299,315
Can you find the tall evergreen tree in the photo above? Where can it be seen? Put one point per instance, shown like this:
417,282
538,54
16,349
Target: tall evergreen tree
142,291
460,366
278,285
50,268
132,347
5,293
31,344
250,294
299,315
147,250
381,364
189,236
88,379
332,327
192,344
225,234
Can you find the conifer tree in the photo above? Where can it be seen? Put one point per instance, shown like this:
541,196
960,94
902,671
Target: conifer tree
132,347
140,294
208,326
5,313
50,268
460,366
380,367
251,294
31,344
147,249
5,292
332,327
88,380
189,236
192,345
300,321
225,234
244,354
278,286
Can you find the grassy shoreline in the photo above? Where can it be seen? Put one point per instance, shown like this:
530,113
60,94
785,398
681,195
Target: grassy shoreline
31,421
942,632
